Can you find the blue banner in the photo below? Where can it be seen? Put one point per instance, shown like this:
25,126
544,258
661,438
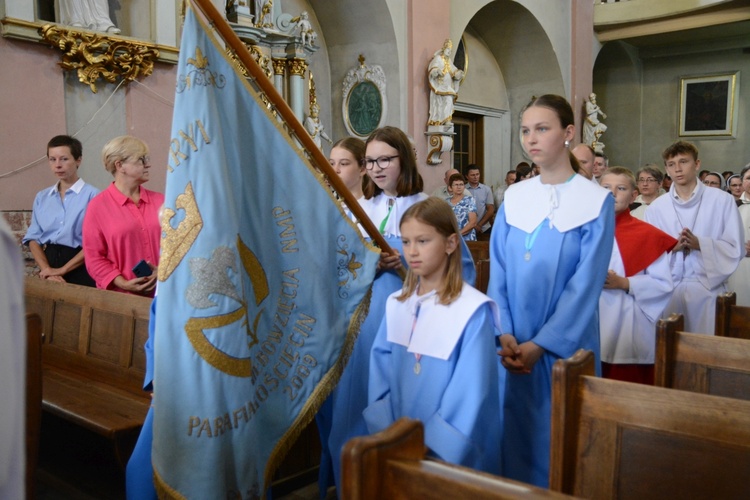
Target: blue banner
263,281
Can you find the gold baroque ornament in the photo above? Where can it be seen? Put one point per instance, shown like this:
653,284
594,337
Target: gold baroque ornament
279,66
263,60
297,67
95,55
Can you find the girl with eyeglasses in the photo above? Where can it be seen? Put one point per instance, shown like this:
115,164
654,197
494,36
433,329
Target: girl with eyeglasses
391,186
121,227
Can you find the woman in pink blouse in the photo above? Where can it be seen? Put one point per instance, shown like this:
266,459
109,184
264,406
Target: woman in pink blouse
121,227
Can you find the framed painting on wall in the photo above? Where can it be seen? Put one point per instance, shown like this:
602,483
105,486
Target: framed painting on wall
709,105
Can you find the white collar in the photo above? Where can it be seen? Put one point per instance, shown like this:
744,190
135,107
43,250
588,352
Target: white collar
439,328
76,187
567,206
377,210
699,186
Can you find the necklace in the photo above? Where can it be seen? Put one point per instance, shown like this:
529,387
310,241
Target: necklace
686,250
530,239
391,202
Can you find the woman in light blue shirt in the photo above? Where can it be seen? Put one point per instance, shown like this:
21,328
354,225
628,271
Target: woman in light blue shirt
55,235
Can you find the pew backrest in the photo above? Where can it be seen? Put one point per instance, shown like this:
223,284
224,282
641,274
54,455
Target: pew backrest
701,363
732,320
614,439
391,464
92,332
93,360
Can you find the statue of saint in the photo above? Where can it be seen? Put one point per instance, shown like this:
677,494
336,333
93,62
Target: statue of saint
87,14
264,13
315,128
444,79
592,127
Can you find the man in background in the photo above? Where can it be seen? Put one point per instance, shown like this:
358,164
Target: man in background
585,156
484,200
510,178
445,191
601,162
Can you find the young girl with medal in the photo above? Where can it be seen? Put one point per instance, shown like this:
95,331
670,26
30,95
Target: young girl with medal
392,185
433,358
549,253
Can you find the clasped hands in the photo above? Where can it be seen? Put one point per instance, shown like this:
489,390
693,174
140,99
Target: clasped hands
518,358
687,240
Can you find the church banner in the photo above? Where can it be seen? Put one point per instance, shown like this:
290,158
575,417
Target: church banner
263,281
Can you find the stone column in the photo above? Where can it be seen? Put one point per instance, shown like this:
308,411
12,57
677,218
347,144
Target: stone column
279,71
297,68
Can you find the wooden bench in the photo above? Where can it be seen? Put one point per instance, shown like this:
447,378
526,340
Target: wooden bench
731,320
700,362
93,360
391,464
33,398
480,252
614,439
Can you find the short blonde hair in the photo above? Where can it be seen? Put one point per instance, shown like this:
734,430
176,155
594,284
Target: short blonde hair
120,149
622,171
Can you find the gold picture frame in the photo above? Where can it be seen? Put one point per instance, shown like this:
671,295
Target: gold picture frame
709,105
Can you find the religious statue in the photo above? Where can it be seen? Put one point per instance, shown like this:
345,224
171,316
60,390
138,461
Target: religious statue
444,79
315,128
87,14
305,28
264,13
592,127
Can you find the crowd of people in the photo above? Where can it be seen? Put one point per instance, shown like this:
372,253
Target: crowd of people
582,255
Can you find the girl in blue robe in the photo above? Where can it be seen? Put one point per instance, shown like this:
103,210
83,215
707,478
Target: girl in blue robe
392,185
434,356
549,253
139,474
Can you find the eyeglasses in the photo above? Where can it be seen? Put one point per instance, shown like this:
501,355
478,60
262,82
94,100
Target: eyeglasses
145,159
383,162
647,180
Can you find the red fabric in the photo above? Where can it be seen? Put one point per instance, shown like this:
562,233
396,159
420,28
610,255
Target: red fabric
639,374
640,243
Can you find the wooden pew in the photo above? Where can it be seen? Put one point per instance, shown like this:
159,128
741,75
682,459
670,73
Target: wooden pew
93,367
614,439
93,360
701,363
33,398
480,252
731,320
391,464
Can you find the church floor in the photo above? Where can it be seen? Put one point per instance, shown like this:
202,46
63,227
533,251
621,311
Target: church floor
79,465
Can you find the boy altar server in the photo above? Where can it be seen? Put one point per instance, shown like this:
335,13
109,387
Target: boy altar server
710,235
637,289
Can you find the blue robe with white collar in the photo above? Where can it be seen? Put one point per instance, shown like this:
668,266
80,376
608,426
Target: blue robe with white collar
455,392
551,299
